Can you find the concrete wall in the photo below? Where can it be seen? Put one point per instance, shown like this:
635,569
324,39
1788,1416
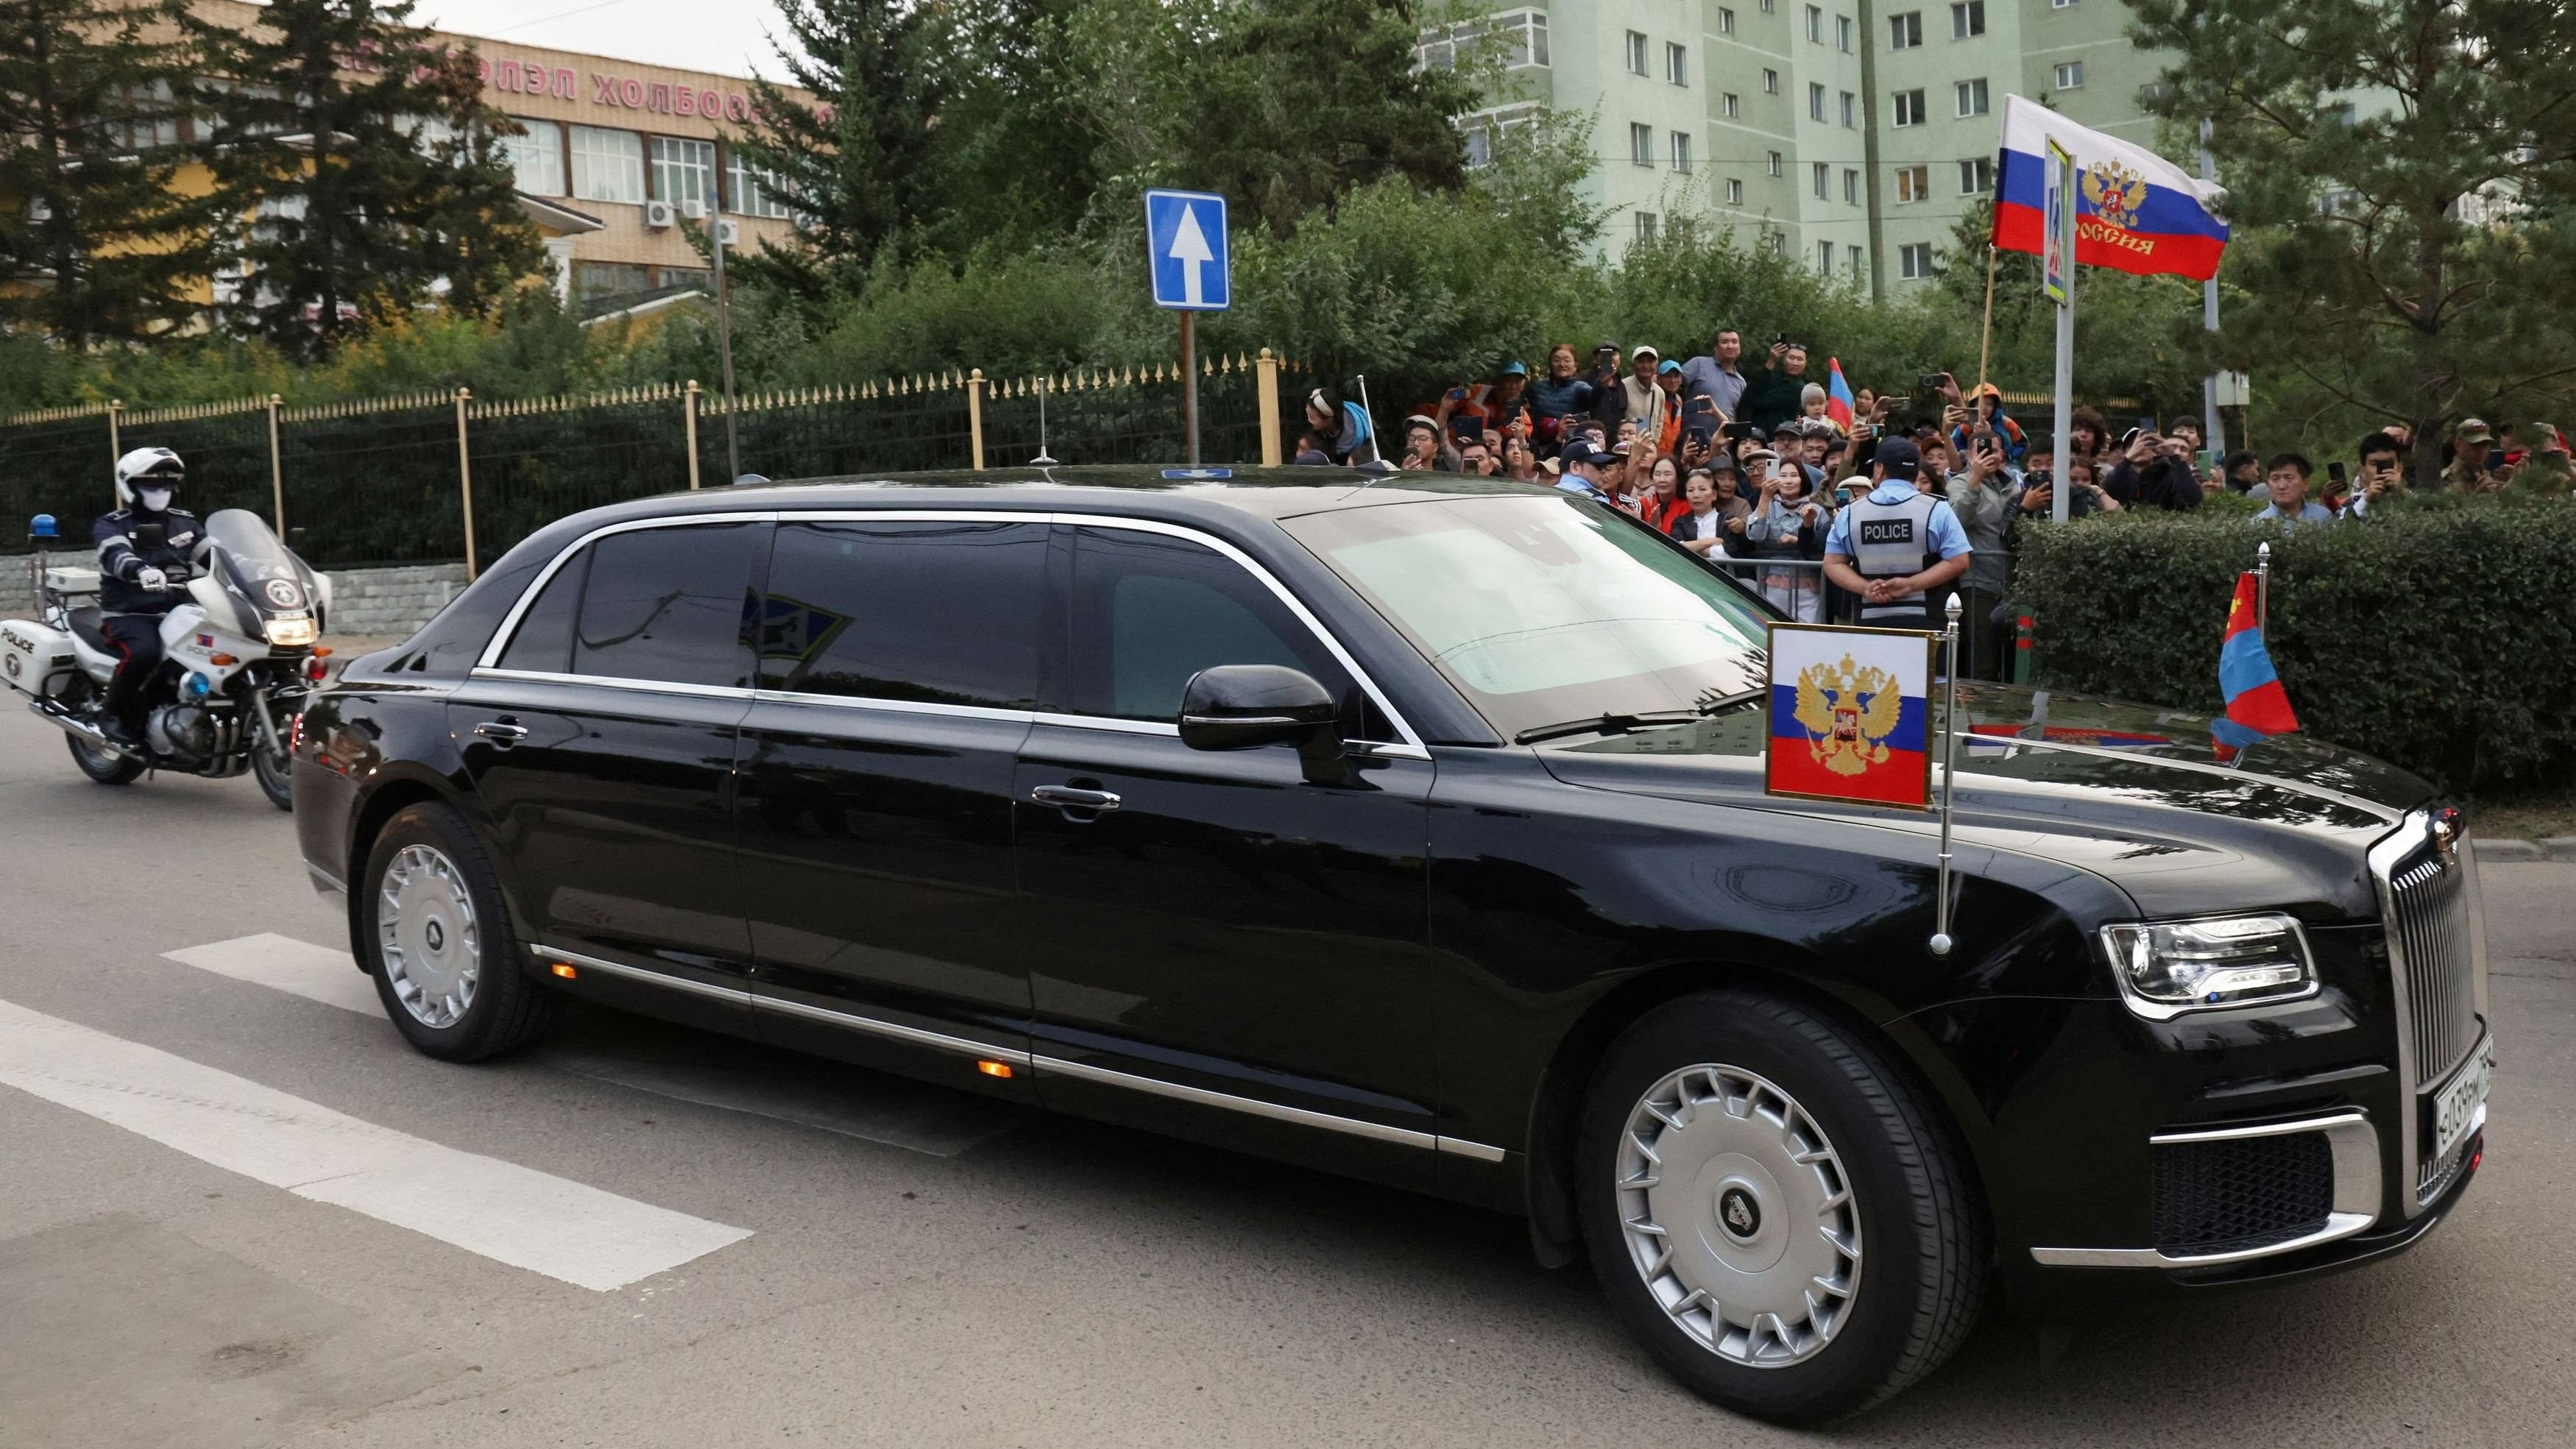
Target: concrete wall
364,602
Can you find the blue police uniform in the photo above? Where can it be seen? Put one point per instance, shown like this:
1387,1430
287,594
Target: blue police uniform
1896,532
133,613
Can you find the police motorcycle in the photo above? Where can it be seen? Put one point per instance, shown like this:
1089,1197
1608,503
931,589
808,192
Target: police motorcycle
238,655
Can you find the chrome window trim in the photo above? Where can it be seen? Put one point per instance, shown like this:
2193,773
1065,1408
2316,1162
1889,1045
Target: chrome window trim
730,995
2354,1144
613,681
501,636
895,706
895,1031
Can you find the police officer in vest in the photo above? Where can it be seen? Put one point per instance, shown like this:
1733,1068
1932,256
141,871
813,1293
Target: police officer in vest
1583,463
1899,548
143,550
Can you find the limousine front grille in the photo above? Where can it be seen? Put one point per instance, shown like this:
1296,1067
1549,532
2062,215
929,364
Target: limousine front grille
2428,932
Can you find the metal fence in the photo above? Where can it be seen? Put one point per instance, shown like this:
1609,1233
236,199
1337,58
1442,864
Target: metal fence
438,477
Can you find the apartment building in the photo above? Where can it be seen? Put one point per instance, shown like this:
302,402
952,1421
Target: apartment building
1852,134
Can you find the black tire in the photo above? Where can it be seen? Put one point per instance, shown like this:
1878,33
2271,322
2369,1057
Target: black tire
104,766
276,776
508,1007
1919,1277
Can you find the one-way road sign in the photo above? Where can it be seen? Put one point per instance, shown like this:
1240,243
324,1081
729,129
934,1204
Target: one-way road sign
1185,240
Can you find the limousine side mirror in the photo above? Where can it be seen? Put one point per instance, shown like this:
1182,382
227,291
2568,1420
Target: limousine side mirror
1244,706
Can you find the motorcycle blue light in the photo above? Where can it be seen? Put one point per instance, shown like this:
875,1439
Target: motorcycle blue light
196,686
41,526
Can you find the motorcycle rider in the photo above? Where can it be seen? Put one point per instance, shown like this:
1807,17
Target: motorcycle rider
140,578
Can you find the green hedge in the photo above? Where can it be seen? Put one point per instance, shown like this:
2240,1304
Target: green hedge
2440,636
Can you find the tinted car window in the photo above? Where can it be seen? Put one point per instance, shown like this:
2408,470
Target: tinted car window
669,605
944,613
543,642
1150,610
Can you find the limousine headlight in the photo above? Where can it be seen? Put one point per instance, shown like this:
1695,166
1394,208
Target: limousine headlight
2170,967
290,632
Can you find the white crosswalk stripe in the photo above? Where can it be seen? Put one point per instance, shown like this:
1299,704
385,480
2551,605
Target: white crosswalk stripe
512,1214
323,973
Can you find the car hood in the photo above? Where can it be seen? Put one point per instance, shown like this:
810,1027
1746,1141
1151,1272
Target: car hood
2130,792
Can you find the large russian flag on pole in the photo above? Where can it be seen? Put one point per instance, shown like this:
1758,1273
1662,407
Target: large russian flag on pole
2134,210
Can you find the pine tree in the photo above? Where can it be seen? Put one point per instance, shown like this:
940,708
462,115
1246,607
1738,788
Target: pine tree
90,134
2399,177
361,170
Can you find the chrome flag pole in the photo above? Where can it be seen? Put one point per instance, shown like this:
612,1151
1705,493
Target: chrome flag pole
1940,942
2263,591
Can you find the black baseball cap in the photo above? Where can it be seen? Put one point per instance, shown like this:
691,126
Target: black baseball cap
1899,457
1582,451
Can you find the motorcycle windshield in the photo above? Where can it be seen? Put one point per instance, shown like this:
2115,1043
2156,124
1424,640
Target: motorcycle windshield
253,565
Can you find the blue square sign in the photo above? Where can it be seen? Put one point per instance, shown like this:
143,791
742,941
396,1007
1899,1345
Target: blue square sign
1185,240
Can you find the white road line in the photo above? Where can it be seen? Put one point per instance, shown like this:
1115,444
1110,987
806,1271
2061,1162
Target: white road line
322,973
516,1215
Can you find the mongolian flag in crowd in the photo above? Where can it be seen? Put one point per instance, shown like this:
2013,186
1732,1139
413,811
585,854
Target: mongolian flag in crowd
2257,707
1851,715
2134,210
1838,394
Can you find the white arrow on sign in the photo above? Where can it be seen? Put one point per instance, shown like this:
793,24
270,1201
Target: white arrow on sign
1190,249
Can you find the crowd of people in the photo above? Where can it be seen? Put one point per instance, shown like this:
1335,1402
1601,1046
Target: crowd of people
1868,510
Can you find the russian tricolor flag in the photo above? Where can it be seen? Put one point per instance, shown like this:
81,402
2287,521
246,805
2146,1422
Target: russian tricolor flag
2257,706
2134,210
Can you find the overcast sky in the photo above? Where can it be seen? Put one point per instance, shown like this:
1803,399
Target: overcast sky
723,36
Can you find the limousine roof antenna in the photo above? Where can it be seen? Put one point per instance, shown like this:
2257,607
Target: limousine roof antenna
1042,460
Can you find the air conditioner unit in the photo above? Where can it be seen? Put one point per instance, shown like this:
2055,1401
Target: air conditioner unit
694,209
728,233
659,215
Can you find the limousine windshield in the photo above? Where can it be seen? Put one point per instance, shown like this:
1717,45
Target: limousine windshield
1542,609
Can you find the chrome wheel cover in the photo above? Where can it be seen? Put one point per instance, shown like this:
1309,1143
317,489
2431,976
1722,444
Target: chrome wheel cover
1738,1216
426,936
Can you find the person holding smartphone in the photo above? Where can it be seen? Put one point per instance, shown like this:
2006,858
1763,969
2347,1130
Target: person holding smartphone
2154,471
1789,522
1983,496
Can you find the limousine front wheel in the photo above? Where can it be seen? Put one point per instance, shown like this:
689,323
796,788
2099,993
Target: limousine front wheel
439,942
1775,1213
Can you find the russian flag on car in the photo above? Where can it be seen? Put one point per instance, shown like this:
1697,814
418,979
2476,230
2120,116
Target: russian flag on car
1851,715
1838,394
2134,210
2257,706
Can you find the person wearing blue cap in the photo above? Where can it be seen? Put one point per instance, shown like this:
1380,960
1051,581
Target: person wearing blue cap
1899,548
1500,407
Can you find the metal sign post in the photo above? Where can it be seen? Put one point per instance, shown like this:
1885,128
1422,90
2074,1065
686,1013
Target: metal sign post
1190,256
724,336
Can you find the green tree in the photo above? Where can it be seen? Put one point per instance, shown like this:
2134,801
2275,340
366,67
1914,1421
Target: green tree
860,163
359,171
2399,176
89,144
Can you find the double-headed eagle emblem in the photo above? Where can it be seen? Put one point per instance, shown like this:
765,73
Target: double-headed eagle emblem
1848,712
2116,192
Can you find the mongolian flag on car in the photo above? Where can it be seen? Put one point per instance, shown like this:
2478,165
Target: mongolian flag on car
1851,715
2257,706
2134,210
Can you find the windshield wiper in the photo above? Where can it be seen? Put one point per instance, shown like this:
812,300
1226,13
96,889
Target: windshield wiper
1606,724
1708,706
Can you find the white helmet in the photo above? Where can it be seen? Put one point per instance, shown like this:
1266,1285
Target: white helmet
147,468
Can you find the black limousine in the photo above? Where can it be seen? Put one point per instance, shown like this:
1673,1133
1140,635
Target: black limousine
1414,828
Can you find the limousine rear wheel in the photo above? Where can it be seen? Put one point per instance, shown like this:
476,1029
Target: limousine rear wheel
439,944
1773,1210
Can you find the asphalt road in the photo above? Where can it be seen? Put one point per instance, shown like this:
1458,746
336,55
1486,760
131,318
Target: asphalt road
926,1269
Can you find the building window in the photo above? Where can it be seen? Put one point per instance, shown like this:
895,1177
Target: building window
1816,24
607,165
1843,33
2061,4
1851,111
610,279
1765,6
1909,108
751,190
1770,82
1728,106
1976,176
1851,184
1777,242
1734,192
1914,261
1777,169
1682,152
1641,145
1968,20
1645,226
1824,176
1815,101
1519,35
1855,263
1483,129
1725,21
1636,53
1677,64
1904,32
149,119
1913,183
1971,96
2154,93
1825,257
684,170
536,159
2070,76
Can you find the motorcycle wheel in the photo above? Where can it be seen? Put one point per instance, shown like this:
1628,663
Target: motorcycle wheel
276,776
105,766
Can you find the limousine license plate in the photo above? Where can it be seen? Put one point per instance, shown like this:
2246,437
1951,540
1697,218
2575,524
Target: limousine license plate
2460,1107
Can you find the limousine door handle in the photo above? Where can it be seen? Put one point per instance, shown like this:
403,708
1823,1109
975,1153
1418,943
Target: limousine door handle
503,732
1070,798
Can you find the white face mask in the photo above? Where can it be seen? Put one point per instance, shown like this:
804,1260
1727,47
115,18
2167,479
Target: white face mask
154,500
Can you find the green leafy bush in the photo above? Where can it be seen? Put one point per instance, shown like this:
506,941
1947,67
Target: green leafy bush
2437,635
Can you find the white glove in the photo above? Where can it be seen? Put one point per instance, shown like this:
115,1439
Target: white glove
148,577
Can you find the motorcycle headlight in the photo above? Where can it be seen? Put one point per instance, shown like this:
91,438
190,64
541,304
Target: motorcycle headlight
291,631
2167,968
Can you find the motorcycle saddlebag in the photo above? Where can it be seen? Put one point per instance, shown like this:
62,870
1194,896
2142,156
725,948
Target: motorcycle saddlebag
36,659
